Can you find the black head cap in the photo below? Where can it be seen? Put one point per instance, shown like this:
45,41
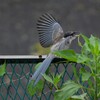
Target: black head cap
70,33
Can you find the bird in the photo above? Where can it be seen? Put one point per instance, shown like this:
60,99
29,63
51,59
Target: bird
51,35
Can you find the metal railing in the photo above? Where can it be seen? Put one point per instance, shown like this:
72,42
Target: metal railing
13,85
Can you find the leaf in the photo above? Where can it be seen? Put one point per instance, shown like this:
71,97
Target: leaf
92,40
98,94
2,69
56,79
69,84
82,58
66,54
85,49
94,45
79,97
85,38
35,89
79,43
68,89
91,45
75,73
99,45
96,49
85,75
37,65
47,78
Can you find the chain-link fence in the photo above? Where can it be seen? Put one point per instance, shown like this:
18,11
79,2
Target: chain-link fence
13,85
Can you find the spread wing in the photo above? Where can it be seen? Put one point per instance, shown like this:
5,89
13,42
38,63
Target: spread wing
49,29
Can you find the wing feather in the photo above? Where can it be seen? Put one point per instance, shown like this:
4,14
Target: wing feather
49,30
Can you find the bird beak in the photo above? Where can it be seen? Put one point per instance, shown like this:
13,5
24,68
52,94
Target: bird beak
72,33
76,34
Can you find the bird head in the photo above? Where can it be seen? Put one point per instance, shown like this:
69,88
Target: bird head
71,34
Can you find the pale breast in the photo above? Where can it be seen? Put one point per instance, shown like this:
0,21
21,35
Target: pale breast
61,45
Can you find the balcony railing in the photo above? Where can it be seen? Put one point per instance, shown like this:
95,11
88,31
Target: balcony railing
13,85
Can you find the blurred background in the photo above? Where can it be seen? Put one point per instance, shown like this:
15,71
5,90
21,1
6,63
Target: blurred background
18,34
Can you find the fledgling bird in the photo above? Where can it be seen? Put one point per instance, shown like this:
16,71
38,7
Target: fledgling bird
51,34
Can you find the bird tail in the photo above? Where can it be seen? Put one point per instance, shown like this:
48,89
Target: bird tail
42,69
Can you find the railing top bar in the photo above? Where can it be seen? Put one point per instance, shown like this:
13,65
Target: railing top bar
25,59
20,57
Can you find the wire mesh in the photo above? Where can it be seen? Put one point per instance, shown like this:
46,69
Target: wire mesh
13,85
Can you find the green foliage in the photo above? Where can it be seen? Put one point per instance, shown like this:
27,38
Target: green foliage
2,69
35,89
47,78
38,87
69,88
54,80
66,54
85,75
90,57
79,97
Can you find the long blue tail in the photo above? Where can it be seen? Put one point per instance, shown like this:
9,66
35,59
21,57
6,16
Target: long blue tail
42,69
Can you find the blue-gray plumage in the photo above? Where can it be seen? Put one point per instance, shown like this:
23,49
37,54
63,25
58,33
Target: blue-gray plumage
51,34
42,68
